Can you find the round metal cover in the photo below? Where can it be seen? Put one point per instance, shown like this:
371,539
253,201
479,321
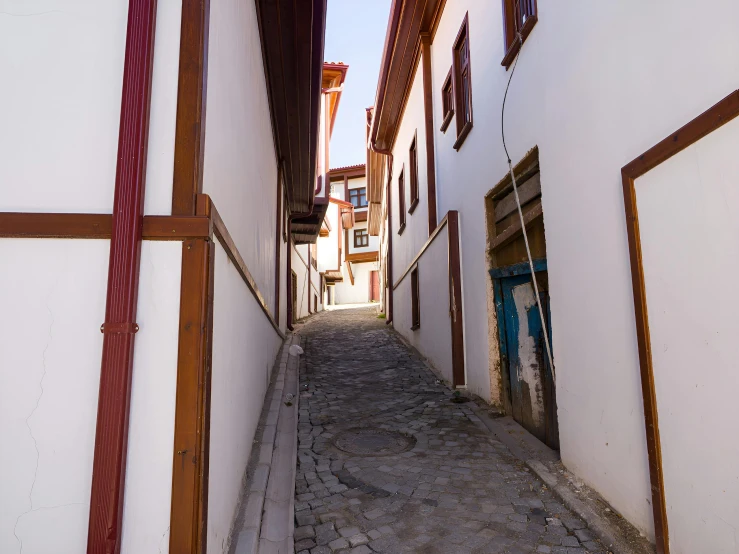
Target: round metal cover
373,442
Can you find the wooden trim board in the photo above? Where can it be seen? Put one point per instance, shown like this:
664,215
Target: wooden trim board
718,115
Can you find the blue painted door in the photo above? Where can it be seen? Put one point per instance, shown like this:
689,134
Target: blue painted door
531,387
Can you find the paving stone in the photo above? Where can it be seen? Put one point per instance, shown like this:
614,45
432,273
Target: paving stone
455,490
338,544
305,532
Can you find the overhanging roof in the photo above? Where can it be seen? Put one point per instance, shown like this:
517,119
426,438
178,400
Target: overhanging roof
409,19
292,35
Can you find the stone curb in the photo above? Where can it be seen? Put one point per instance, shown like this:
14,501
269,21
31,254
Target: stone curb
525,447
265,529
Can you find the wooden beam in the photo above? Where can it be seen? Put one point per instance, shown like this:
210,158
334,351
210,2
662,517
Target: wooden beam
710,120
428,108
362,257
511,232
98,226
188,516
192,89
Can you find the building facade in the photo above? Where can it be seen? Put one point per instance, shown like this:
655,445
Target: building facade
587,88
146,194
360,281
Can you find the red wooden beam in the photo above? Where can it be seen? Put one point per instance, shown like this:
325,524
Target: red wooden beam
111,436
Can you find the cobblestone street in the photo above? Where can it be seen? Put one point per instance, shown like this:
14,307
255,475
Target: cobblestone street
387,463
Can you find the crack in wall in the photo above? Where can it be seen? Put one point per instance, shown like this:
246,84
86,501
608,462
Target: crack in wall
166,532
30,431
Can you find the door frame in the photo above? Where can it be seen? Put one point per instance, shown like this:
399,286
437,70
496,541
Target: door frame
497,274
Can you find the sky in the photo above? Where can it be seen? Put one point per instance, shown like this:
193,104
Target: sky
355,35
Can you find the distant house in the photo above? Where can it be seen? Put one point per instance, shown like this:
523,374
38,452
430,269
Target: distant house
359,280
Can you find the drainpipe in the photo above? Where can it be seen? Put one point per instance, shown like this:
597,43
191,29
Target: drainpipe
119,328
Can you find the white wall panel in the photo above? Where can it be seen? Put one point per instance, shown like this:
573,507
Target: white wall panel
244,348
689,226
434,338
148,489
240,168
52,293
62,68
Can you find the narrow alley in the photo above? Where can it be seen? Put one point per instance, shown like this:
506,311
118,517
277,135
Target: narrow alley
388,463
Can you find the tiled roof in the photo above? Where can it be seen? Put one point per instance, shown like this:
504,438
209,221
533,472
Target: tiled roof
346,168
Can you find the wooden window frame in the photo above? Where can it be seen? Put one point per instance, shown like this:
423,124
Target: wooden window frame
358,190
447,102
401,201
415,300
464,123
512,20
361,233
413,158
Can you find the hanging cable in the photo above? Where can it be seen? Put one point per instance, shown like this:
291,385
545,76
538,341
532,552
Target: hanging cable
520,215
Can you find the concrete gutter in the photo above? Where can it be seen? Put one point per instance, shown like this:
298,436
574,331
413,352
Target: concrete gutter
265,523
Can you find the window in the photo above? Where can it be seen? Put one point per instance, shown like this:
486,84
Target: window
519,16
401,203
447,101
413,154
314,255
361,238
415,301
462,83
358,197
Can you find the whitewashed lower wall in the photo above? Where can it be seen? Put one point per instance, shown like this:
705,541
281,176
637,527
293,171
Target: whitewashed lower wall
359,292
52,294
299,260
244,348
434,338
689,222
148,490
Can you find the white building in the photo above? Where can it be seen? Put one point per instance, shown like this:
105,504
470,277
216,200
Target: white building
359,280
643,408
180,286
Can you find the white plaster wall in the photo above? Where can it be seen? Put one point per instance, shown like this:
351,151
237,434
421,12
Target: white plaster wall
434,338
359,292
244,348
240,167
148,489
594,88
61,115
328,247
374,242
689,226
416,231
53,295
163,119
300,267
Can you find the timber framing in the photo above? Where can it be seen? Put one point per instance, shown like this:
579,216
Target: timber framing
718,115
361,257
192,92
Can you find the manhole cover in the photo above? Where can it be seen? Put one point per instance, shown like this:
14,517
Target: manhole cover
373,442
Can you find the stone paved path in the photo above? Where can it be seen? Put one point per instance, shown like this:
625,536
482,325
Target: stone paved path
448,488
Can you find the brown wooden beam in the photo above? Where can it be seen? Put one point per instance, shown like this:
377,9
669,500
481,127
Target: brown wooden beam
710,120
362,257
191,101
188,516
98,226
455,300
428,108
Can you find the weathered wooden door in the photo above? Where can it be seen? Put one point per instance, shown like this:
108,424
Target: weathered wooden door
374,285
531,386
